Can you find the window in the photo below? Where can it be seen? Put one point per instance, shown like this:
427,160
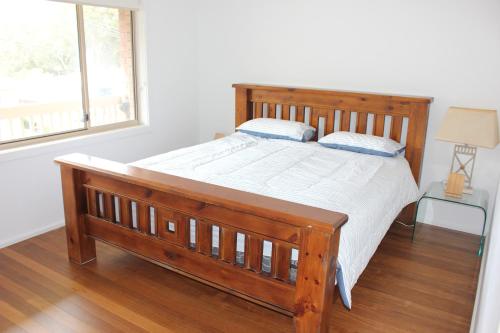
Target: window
64,68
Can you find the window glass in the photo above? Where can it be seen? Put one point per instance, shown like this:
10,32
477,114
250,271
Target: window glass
108,42
40,82
64,68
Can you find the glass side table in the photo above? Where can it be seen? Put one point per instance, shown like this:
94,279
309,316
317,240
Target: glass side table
478,199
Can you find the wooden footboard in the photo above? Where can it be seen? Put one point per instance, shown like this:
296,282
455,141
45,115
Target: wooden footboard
239,242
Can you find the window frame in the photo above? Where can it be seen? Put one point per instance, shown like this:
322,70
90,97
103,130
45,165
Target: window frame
87,128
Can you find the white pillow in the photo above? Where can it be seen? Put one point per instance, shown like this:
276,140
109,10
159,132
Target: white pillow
277,129
362,143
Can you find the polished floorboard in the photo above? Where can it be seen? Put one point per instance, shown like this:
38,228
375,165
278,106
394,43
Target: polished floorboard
425,286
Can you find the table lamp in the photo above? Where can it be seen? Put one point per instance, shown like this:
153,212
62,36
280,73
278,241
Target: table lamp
468,129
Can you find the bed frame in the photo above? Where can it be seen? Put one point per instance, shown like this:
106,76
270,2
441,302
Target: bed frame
175,222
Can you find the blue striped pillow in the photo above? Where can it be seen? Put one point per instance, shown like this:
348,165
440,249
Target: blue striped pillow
362,143
271,128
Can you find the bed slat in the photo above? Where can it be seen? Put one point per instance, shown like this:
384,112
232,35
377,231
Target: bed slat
109,212
255,253
274,260
299,113
282,262
228,248
285,111
125,214
258,109
330,122
314,120
108,207
361,122
271,110
346,121
91,202
396,128
143,215
204,237
379,125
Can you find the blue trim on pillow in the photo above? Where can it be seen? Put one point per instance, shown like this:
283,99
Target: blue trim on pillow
401,150
362,150
270,136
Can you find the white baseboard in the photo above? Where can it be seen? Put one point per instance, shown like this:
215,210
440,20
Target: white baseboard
32,233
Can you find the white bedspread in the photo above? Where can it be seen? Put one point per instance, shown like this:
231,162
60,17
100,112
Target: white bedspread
371,190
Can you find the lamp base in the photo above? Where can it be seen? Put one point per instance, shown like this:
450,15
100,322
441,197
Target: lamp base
467,190
455,185
464,158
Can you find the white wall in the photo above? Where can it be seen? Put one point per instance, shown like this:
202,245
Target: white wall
447,49
30,195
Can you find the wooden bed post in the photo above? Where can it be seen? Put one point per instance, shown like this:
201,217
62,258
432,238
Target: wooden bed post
244,106
316,280
417,131
81,248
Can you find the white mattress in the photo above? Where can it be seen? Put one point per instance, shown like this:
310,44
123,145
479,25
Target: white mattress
371,190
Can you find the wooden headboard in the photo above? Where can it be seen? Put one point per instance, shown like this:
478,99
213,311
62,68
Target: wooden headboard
401,118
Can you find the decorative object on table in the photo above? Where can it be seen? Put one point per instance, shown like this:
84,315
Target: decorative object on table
468,129
477,199
455,185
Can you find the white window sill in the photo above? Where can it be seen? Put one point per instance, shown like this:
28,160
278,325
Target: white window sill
62,145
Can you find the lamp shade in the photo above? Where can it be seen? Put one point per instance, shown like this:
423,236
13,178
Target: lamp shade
475,127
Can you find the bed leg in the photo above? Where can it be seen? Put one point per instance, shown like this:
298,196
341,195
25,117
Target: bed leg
407,214
315,281
81,248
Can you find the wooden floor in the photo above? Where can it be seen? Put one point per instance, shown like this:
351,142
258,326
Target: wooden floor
427,286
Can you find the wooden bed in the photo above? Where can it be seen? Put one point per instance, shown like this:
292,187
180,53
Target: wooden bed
152,214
